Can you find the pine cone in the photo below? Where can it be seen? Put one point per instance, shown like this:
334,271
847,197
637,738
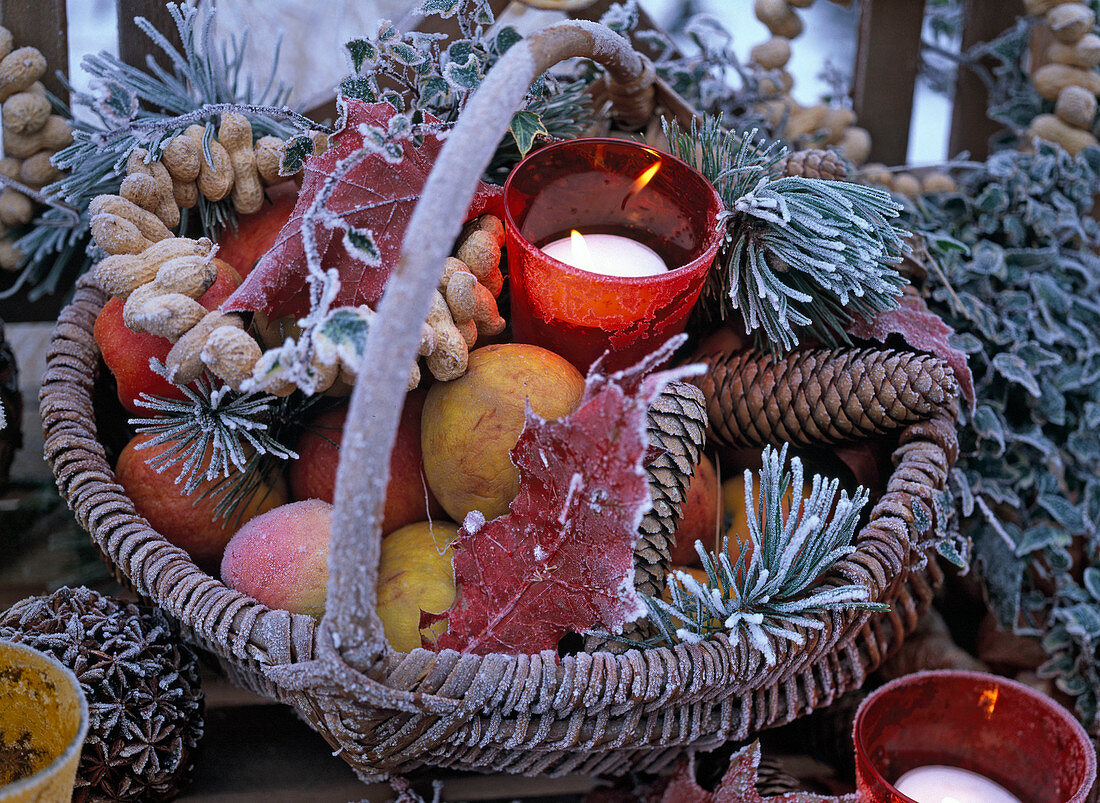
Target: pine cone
677,420
144,698
816,163
820,397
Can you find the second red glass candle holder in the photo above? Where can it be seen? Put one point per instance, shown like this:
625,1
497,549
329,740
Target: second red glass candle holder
989,725
616,187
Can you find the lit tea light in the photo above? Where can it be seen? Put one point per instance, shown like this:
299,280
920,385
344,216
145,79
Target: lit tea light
938,783
951,736
645,234
606,254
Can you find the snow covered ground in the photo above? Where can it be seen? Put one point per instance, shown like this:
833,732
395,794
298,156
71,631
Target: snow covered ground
315,32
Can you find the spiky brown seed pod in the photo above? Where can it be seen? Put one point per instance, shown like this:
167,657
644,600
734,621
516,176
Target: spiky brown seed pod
144,697
818,397
815,163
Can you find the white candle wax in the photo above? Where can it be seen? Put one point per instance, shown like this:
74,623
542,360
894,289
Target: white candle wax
608,254
937,783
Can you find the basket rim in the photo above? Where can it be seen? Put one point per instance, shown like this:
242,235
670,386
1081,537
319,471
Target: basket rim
257,638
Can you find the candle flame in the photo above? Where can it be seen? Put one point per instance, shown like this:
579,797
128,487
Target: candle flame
645,177
641,181
988,701
582,257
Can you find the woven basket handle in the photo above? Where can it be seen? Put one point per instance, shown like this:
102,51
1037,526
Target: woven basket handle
351,622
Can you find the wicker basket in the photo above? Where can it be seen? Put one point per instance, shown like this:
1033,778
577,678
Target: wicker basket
388,712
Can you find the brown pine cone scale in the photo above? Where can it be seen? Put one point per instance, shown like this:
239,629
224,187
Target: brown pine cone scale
820,397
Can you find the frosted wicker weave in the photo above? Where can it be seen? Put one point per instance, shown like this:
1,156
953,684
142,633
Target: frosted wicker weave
592,713
589,713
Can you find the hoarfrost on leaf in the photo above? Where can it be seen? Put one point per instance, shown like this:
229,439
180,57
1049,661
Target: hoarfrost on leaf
562,558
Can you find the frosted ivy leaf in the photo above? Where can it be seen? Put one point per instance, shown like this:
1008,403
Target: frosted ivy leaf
360,244
360,88
622,18
342,336
465,76
115,103
406,54
362,52
441,8
298,149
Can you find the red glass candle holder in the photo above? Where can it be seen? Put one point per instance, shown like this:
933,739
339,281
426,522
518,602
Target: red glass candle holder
990,725
592,186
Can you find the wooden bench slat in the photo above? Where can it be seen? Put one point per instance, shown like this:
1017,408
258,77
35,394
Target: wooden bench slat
42,24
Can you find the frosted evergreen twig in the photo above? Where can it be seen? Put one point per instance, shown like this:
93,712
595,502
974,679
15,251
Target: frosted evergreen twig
169,125
213,433
799,254
30,192
775,584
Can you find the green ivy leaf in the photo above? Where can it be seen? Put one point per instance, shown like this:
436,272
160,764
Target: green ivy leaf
988,424
1091,581
505,38
406,54
359,87
1042,536
949,551
1015,370
1081,620
441,8
360,243
525,126
361,50
298,149
1063,512
464,76
993,200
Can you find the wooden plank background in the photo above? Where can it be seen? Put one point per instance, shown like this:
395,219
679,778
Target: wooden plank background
42,24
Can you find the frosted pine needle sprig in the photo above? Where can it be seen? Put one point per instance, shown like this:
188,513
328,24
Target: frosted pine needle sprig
214,433
773,587
800,255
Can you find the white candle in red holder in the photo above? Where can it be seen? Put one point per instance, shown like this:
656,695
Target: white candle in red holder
606,254
938,783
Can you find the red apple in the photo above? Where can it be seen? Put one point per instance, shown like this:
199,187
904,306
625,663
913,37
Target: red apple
408,499
256,233
699,516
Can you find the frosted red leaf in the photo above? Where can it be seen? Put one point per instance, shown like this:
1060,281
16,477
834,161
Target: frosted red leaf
923,331
738,785
376,195
562,558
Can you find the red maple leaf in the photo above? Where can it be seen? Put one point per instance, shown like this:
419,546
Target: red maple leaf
923,331
376,196
738,785
562,559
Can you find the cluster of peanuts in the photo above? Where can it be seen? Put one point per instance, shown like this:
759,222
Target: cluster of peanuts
1070,77
820,125
32,134
464,309
908,184
160,277
238,167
